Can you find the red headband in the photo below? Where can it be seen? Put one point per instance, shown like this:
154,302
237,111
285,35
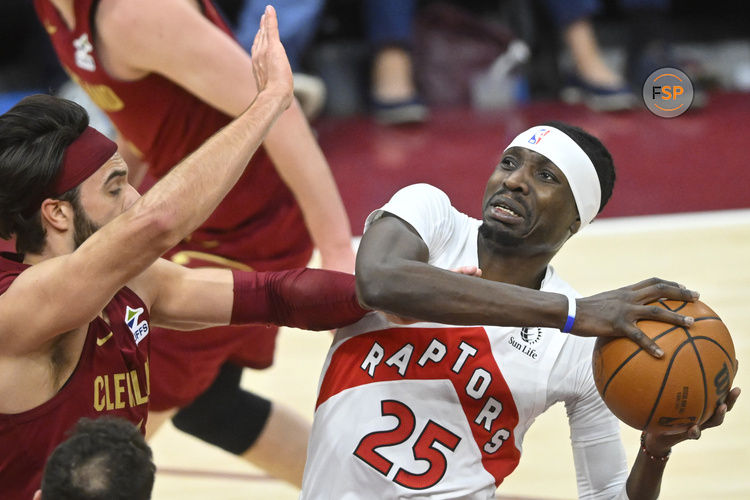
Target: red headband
82,158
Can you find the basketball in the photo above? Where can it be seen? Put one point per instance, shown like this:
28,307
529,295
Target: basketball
678,390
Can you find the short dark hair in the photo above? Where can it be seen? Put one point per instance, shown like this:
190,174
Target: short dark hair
599,155
33,137
103,459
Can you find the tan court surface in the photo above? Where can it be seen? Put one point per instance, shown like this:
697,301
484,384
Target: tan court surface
708,252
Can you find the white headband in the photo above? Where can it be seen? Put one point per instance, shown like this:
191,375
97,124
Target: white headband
568,156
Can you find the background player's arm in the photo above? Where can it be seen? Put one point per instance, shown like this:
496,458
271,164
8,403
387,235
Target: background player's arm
63,293
137,168
172,38
393,276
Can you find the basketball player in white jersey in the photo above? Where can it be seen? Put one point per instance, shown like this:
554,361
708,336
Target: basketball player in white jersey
436,410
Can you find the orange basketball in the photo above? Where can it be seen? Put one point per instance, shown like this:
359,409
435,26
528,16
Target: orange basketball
678,390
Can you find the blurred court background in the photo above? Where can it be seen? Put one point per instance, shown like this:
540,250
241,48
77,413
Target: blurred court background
680,210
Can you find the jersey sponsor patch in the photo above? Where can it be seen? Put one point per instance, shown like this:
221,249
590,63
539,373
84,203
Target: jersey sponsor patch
525,344
138,329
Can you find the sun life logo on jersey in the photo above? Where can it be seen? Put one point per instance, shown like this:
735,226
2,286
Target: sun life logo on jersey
84,59
531,336
138,329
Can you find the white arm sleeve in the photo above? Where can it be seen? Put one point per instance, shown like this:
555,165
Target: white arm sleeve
599,457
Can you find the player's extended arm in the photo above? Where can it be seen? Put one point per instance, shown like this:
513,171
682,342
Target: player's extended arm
173,39
63,293
393,276
188,299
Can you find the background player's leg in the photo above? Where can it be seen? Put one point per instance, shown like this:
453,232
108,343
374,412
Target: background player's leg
155,421
281,448
246,424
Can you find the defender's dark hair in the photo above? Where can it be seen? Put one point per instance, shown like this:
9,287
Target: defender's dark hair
104,459
33,137
599,155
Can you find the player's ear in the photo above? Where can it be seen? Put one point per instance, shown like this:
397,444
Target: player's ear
57,213
38,495
575,226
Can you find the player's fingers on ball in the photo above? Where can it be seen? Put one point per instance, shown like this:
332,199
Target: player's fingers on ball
645,342
694,432
644,284
650,282
717,418
732,398
657,313
666,290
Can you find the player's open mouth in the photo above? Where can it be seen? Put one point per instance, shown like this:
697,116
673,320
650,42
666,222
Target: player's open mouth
507,211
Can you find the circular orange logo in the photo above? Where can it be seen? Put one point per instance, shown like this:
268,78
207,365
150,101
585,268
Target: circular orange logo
668,92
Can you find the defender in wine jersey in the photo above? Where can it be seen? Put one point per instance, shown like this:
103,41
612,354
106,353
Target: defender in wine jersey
112,378
78,299
438,408
169,75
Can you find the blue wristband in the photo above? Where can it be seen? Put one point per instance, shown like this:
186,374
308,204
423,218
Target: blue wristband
571,315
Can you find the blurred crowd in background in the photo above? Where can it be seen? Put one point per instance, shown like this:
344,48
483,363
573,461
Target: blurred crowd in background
398,59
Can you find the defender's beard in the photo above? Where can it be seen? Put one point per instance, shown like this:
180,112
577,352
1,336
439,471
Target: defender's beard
83,226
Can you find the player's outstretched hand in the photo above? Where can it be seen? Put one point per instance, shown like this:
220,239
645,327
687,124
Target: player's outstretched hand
660,444
270,64
614,313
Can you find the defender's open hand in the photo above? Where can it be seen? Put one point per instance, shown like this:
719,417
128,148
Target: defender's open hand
270,64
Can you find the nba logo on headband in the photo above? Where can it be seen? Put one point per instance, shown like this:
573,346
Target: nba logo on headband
574,163
535,138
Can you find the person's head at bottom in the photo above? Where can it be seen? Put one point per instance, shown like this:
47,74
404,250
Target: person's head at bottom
103,459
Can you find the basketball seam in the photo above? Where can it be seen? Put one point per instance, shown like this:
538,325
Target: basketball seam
703,374
729,358
664,303
664,382
627,360
639,349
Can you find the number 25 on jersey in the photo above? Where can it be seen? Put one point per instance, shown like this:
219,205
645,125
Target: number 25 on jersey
423,449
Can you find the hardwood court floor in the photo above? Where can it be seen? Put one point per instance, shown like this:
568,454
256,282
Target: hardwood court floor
707,252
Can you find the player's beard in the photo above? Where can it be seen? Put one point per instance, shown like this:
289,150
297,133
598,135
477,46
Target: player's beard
83,226
499,238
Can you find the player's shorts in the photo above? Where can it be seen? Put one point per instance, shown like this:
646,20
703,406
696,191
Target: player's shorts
184,364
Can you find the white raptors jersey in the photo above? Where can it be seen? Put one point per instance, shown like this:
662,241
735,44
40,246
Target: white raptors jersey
438,411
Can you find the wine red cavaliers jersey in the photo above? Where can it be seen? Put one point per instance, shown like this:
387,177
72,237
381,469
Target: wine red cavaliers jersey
259,220
111,378
258,226
440,411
